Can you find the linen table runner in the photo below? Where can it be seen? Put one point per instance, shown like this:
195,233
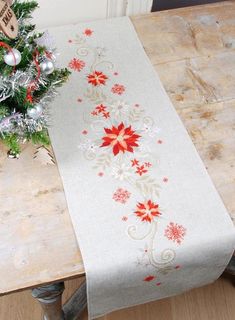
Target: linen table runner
148,219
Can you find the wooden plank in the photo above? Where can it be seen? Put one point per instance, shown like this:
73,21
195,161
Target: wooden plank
193,51
38,244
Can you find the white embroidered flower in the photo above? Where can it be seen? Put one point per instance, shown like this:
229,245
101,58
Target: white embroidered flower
88,145
119,108
121,171
151,131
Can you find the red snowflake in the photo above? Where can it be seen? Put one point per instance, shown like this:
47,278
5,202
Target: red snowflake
84,132
100,174
120,138
88,32
175,232
159,141
76,64
118,89
158,284
140,170
149,278
147,211
94,113
97,78
121,195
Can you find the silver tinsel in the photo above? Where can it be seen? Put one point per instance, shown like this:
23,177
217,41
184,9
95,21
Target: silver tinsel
5,90
20,123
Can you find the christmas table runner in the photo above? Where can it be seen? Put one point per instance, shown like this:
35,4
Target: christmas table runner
148,219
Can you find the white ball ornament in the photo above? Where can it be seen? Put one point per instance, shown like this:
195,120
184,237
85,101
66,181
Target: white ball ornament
35,112
12,58
47,66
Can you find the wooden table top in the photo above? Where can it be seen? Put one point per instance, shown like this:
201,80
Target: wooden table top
193,50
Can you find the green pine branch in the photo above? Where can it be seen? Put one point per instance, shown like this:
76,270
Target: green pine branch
23,10
12,143
26,43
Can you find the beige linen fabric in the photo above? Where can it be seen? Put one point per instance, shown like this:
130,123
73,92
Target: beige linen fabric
148,219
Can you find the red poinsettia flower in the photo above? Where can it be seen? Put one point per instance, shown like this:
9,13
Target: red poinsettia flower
97,78
88,32
140,170
106,115
149,278
134,162
120,138
76,64
101,108
147,211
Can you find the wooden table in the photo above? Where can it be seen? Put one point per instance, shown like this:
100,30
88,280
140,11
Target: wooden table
193,50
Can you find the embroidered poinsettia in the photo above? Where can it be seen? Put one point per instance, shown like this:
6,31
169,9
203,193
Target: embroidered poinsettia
101,108
175,232
97,78
88,32
120,138
134,162
121,195
141,170
118,89
106,115
147,211
76,64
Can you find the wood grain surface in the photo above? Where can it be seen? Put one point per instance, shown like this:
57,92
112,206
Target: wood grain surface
193,50
212,302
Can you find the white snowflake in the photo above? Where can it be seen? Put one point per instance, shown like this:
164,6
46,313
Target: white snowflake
88,145
151,131
121,171
119,108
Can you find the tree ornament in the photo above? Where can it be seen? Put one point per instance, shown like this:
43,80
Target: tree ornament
26,88
12,58
8,21
47,66
35,112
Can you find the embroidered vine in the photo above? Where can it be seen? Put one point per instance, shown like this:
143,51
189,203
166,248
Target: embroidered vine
122,136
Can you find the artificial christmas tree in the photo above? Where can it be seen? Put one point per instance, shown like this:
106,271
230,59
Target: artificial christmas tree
28,76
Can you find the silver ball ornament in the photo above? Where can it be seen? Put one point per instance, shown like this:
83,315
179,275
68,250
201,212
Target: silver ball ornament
12,58
47,66
35,112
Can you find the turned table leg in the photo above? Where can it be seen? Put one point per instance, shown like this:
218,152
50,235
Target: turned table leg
231,266
49,297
